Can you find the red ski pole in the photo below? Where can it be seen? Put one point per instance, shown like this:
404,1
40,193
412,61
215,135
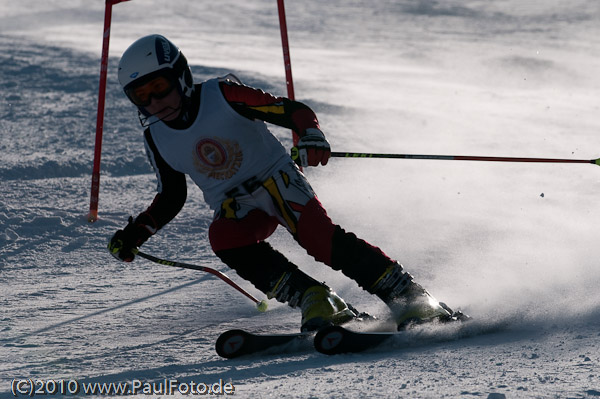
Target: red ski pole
460,158
261,305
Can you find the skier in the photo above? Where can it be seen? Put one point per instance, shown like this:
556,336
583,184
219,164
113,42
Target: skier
215,132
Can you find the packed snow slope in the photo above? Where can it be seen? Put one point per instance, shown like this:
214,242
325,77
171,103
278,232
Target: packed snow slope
514,245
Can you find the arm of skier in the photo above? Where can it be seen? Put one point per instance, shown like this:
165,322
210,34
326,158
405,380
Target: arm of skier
170,198
254,103
171,190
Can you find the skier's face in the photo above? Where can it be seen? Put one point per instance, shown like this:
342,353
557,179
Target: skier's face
166,108
158,96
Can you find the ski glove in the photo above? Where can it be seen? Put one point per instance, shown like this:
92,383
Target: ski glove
132,236
313,148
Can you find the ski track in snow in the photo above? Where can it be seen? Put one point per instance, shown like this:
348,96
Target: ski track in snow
515,246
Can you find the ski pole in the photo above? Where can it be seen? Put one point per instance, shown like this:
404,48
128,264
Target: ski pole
459,158
261,305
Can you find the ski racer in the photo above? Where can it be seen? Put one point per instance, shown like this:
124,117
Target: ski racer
215,133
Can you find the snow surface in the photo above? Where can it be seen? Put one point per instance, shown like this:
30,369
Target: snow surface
514,245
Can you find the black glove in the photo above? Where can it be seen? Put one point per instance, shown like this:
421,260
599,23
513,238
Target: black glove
132,236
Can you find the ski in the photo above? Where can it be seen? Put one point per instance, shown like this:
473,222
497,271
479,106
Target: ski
236,343
337,339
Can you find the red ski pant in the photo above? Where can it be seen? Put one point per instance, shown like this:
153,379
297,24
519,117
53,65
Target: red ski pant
242,224
284,199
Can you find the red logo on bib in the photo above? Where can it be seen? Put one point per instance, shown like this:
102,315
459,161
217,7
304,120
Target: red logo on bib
218,158
211,153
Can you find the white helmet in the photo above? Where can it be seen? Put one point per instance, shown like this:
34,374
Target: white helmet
152,56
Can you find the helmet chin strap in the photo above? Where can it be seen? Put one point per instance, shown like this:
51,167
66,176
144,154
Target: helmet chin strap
144,115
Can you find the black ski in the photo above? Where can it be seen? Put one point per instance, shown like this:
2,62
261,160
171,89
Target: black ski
337,339
235,343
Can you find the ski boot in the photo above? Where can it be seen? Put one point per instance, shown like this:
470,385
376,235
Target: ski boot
322,307
410,303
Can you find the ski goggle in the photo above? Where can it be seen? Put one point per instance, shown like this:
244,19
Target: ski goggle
158,88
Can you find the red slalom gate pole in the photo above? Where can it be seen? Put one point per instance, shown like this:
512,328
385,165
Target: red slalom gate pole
287,62
95,191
